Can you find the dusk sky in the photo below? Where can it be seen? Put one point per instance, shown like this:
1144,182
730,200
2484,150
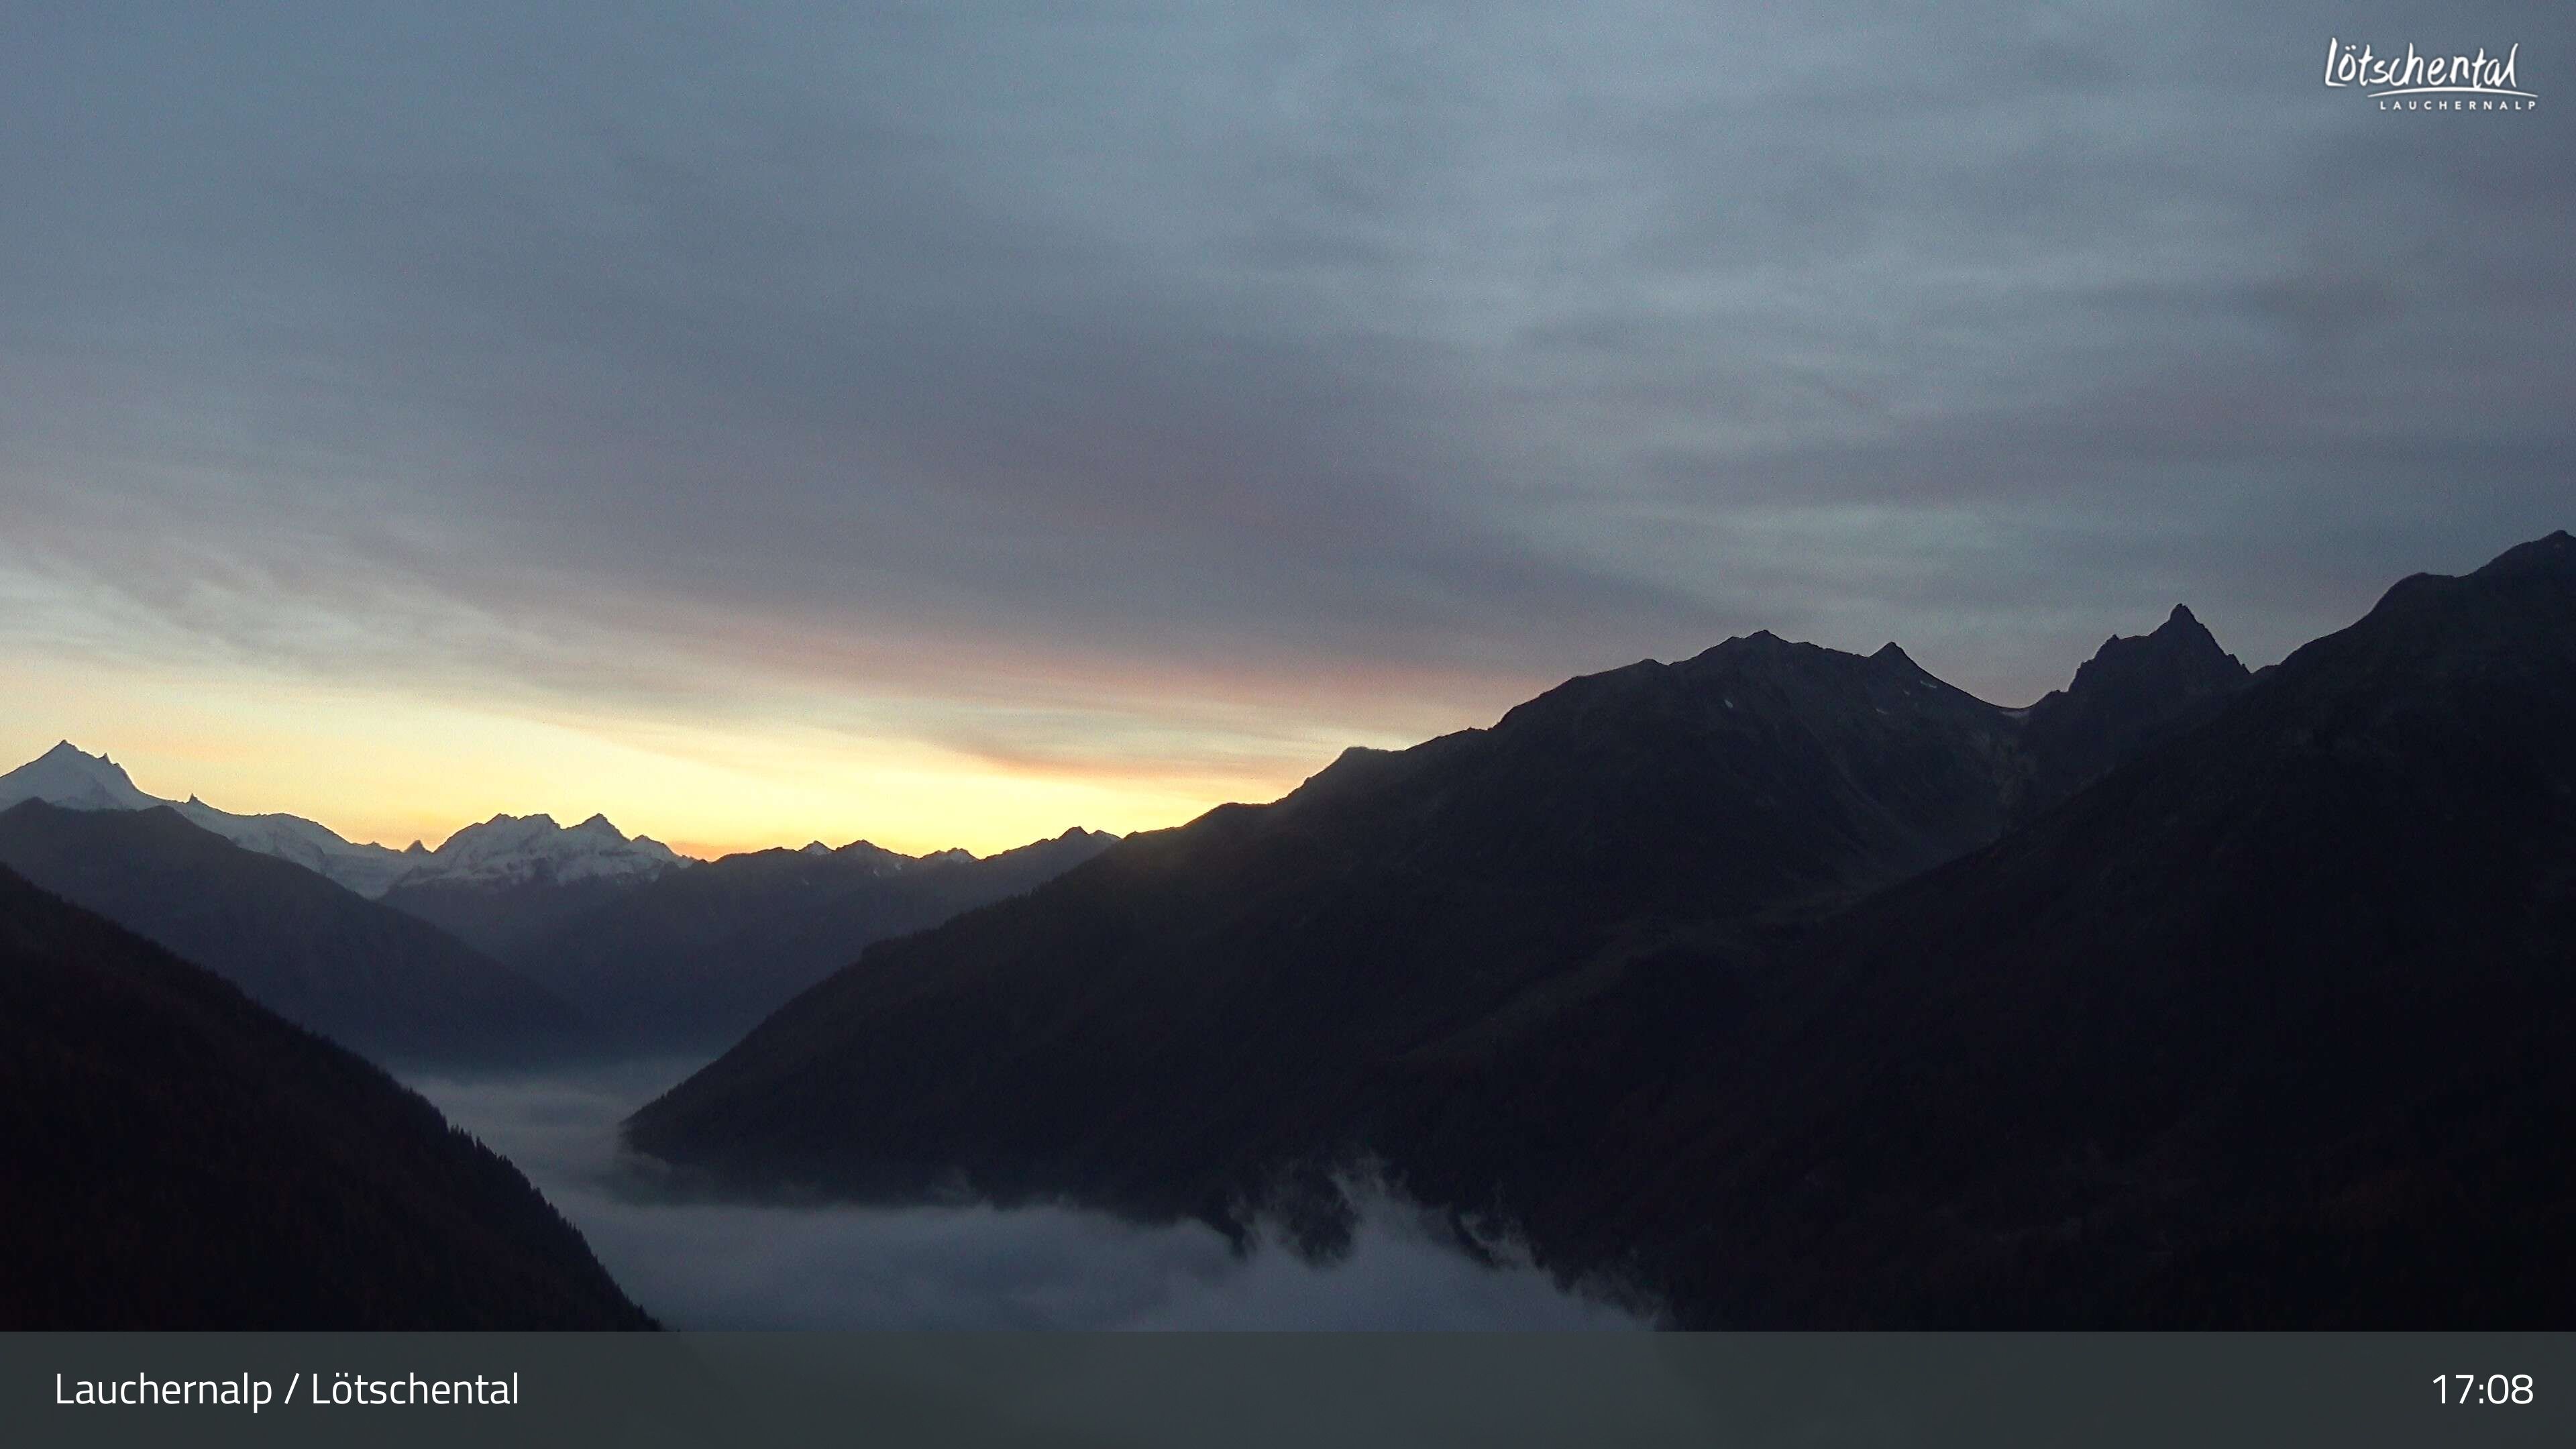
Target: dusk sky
950,423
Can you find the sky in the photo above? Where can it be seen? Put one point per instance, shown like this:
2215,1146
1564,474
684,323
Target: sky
950,423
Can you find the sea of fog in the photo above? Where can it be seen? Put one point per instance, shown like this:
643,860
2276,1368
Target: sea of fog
695,1264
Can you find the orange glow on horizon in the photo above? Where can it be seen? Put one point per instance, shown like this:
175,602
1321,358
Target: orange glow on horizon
375,762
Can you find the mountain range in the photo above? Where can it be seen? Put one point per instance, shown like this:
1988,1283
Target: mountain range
691,960
504,850
516,939
1170,1000
355,970
1777,987
1789,987
181,1158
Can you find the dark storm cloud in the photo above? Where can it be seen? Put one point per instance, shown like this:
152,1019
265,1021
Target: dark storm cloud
575,347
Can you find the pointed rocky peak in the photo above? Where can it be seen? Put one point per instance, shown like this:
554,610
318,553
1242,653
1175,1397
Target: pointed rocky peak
1053,853
1739,653
2180,658
1806,678
1760,644
1893,661
66,755
1764,652
2182,631
872,857
598,824
67,776
1757,650
2133,692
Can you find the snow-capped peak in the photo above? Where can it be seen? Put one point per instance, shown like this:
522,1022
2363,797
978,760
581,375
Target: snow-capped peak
508,849
67,777
74,780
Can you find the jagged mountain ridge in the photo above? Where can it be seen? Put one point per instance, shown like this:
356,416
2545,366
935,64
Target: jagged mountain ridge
1161,1028
504,884
551,900
2272,1027
573,909
2130,694
2267,1025
689,960
513,849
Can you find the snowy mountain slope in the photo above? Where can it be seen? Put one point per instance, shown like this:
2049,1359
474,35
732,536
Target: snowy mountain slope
504,850
68,777
364,867
75,781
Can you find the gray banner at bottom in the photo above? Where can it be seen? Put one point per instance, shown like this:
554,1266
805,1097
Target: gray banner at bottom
1251,1391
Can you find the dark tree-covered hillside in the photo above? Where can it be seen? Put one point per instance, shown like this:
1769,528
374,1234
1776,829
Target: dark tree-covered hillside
177,1156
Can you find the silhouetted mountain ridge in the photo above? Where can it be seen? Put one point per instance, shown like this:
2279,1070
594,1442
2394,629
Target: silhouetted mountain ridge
1159,1027
320,955
2268,1027
2131,693
178,1157
2245,1031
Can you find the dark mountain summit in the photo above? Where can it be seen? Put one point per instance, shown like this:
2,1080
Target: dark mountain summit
2130,694
1162,1028
356,971
2274,1026
178,1157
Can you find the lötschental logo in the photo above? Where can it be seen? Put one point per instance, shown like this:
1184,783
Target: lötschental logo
2413,82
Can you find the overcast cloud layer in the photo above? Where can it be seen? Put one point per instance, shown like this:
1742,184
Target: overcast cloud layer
1111,386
